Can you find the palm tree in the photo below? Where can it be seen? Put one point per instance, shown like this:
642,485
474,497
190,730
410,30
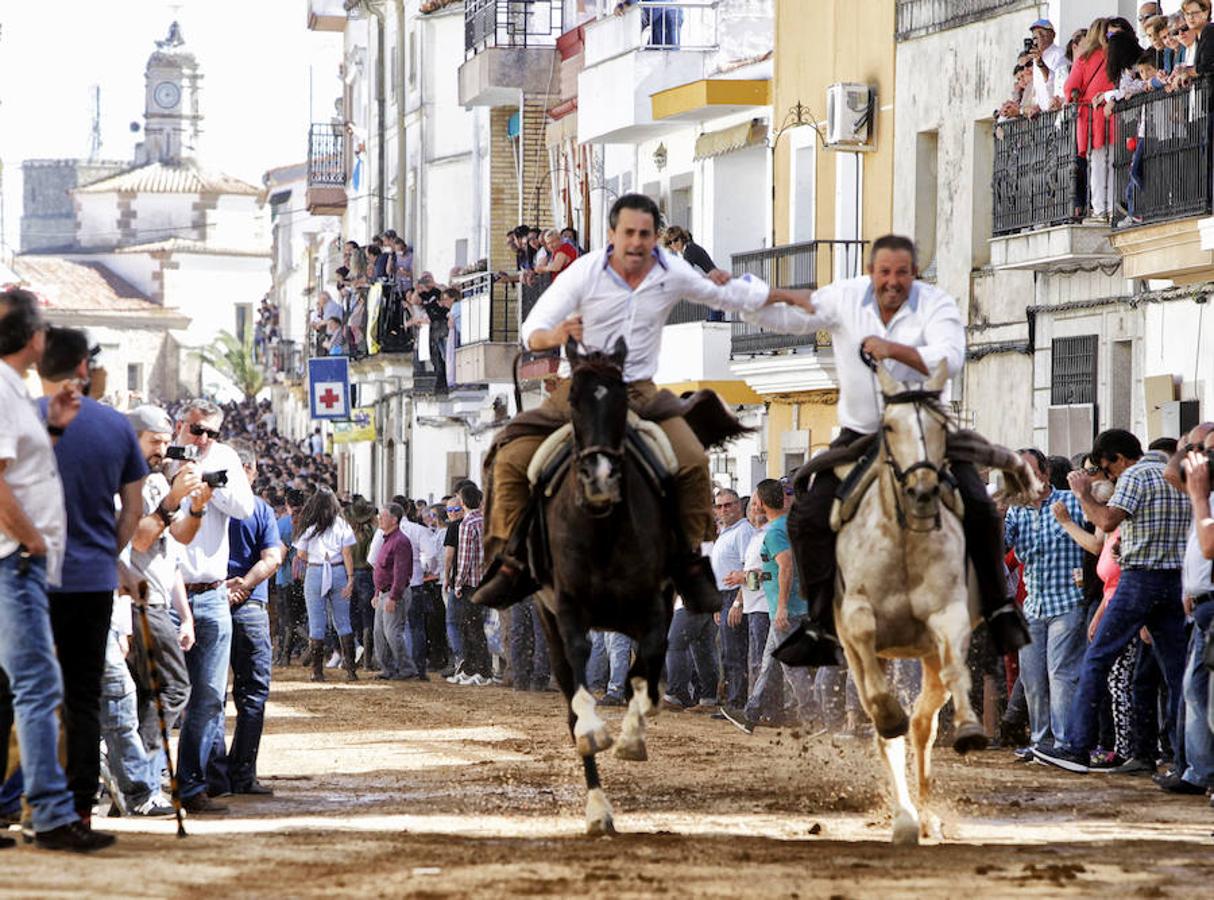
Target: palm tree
237,362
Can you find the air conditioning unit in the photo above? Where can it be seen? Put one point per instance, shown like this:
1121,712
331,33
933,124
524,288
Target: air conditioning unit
850,109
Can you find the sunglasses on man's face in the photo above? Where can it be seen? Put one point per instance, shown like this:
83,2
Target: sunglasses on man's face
1093,470
198,431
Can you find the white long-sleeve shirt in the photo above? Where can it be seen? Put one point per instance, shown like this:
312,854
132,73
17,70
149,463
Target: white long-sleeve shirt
205,559
611,309
929,321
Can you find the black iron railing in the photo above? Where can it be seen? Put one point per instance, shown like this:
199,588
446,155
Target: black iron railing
803,265
488,311
1161,152
1036,164
918,17
511,23
529,294
326,154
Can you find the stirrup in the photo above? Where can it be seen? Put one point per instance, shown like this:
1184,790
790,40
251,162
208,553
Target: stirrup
809,646
506,583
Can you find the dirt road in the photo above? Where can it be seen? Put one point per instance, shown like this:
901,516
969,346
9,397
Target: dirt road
431,790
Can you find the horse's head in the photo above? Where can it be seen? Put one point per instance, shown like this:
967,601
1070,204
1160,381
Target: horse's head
914,430
598,401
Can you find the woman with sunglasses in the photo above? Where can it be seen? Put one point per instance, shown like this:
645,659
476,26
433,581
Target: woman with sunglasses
325,546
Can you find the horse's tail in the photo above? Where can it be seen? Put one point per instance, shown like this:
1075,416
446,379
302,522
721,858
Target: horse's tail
713,423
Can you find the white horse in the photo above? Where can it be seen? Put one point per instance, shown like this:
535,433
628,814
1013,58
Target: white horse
905,591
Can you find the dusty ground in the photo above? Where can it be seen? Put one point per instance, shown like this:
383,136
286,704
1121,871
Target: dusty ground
430,790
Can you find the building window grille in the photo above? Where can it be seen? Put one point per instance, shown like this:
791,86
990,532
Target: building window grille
1073,370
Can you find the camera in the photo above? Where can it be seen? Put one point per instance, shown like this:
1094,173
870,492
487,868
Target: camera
182,453
1028,45
215,479
1209,467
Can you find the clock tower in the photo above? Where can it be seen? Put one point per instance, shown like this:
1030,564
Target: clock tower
172,121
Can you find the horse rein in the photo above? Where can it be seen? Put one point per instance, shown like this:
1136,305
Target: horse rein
920,399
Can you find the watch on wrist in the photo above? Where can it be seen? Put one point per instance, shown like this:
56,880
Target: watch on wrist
197,513
164,515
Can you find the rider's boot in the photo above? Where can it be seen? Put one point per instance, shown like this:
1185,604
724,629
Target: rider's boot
814,642
694,582
507,582
984,544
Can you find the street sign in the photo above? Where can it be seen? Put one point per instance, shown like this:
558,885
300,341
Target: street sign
361,427
329,387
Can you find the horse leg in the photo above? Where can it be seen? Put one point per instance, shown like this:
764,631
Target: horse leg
642,692
951,629
598,808
860,625
932,696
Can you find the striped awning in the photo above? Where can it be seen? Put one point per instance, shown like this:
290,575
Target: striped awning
730,140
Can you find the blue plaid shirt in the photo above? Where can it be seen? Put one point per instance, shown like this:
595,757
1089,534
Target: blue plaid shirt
1157,517
1049,554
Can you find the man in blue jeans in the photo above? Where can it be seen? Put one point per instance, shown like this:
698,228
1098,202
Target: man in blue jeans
33,533
787,609
1197,775
255,552
728,551
99,458
1154,521
204,567
1053,605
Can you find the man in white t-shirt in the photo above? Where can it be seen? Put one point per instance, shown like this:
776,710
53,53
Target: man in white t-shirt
1050,67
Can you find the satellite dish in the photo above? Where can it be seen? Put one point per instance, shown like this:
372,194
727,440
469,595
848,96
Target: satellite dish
135,126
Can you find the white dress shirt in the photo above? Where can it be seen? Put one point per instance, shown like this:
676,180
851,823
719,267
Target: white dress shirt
929,321
729,550
31,472
1045,86
611,309
1198,571
205,559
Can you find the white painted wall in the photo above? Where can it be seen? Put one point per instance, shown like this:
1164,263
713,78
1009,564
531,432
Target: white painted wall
207,289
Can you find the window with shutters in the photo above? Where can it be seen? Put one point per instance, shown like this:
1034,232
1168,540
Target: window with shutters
1073,370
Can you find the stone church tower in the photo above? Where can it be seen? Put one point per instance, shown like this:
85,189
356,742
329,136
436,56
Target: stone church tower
172,117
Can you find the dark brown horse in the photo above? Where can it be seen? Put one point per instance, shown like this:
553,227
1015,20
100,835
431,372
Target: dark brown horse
608,538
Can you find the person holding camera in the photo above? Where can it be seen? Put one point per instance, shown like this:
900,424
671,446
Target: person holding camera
224,495
33,533
99,458
152,558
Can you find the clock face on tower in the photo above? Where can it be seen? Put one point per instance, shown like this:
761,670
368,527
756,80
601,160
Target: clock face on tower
167,95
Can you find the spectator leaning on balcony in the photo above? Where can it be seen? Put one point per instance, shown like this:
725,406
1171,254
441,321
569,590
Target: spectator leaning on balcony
1049,65
1147,12
1020,103
560,254
1156,30
1087,81
1197,17
678,240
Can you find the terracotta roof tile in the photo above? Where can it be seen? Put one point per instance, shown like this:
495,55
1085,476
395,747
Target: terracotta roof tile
160,178
64,284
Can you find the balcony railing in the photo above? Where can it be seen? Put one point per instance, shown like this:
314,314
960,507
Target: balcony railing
326,155
488,311
803,265
651,26
1161,151
511,23
530,293
1036,165
917,17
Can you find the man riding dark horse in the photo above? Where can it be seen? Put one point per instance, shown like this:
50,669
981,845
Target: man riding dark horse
625,290
896,321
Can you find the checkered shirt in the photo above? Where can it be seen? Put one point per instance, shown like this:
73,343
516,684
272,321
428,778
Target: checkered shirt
470,555
1157,518
1049,554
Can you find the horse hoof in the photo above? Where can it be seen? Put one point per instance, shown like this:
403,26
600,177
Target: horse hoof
970,737
930,827
906,830
594,742
600,827
633,751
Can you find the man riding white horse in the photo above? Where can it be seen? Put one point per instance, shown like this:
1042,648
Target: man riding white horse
625,290
899,322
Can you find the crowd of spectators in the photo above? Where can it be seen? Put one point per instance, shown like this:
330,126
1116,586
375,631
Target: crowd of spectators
1097,67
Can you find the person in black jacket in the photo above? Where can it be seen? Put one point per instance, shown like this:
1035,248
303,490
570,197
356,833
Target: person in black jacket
1197,17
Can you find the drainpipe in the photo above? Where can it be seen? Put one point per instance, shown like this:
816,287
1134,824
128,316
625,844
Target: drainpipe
402,166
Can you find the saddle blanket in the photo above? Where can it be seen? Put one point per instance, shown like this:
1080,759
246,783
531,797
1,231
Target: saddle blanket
650,433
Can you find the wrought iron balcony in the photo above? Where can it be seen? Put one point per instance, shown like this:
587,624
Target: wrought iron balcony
328,163
803,265
919,17
488,311
1035,168
511,23
1161,151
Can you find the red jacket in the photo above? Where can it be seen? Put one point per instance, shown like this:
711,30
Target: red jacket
1088,76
